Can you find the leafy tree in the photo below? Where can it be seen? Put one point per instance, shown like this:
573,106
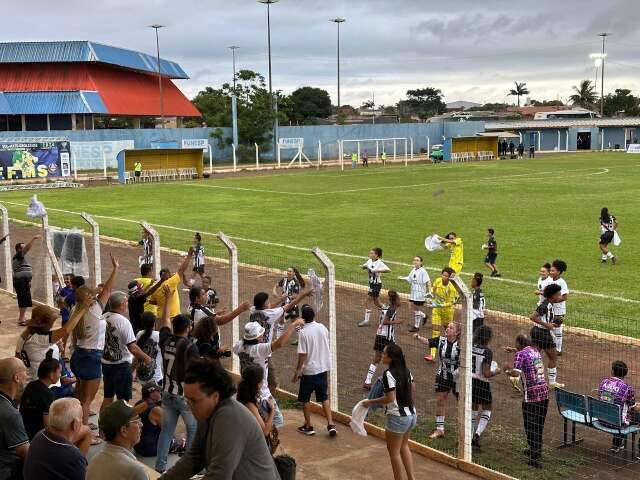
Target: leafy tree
547,103
308,103
424,102
520,90
368,104
621,102
585,95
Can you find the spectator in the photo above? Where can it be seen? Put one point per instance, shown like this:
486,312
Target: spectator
173,282
38,397
148,340
37,340
314,363
229,442
22,274
146,279
528,365
212,296
67,387
520,151
199,297
512,149
119,349
249,394
61,296
67,303
615,390
89,333
14,442
532,151
136,302
399,391
59,452
121,426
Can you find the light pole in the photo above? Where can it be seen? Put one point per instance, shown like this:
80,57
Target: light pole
156,27
268,3
233,49
338,21
604,36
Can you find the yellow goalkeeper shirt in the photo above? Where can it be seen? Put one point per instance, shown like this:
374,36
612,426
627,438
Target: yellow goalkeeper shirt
445,295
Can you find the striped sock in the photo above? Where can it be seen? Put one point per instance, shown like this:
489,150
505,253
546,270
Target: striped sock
557,332
553,375
440,422
474,418
417,318
484,421
370,373
367,316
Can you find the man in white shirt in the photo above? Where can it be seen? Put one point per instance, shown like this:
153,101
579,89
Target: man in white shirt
314,363
119,349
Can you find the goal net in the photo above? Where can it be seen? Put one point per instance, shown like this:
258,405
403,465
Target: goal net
354,152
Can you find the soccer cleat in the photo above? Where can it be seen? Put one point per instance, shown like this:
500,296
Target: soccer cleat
429,358
498,274
437,434
332,430
475,441
556,385
363,323
613,260
366,386
307,430
604,260
414,329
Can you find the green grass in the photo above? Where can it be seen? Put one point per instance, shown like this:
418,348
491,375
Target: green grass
542,209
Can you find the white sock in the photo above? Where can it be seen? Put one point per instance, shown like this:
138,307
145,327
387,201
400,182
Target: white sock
370,373
605,256
440,422
609,254
484,421
367,316
474,418
417,319
553,375
557,332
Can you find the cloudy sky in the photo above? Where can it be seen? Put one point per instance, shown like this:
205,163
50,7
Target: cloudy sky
470,49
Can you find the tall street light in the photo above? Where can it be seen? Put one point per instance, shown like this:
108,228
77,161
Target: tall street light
604,36
268,3
234,104
233,49
156,27
338,21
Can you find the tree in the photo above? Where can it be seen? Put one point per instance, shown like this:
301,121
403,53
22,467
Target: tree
547,103
584,96
424,102
308,103
621,102
367,105
520,90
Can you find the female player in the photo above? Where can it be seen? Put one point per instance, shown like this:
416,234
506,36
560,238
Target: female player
147,249
449,356
558,267
481,397
541,337
455,244
420,283
543,280
289,287
198,255
375,268
444,296
385,333
608,227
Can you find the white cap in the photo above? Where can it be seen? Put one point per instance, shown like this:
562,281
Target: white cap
253,330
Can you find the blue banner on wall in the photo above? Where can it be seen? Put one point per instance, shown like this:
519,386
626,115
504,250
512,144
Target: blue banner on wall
37,159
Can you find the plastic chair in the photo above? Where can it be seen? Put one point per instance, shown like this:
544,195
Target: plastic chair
607,417
572,408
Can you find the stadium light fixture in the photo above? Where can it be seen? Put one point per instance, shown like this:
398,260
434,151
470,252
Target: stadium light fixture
338,21
233,49
604,36
156,27
268,3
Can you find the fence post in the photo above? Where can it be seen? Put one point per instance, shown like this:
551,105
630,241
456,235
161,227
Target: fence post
330,278
465,371
341,154
320,153
156,247
235,293
406,156
6,249
49,259
411,148
428,147
95,233
104,164
257,158
210,159
235,161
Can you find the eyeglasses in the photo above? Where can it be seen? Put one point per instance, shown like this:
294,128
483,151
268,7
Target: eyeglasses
135,420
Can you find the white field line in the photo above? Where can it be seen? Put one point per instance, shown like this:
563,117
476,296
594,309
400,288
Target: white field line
335,254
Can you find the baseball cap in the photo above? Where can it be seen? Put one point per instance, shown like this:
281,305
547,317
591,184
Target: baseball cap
117,415
253,330
134,287
148,388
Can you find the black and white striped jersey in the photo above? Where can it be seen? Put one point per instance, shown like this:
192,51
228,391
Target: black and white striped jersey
609,225
448,355
546,312
290,288
375,278
478,303
198,255
387,331
481,356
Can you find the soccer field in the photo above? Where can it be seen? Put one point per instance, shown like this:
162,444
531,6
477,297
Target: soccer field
541,209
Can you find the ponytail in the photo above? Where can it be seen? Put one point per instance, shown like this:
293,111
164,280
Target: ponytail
148,323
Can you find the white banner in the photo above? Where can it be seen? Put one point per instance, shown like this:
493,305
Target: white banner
89,155
291,142
633,148
202,143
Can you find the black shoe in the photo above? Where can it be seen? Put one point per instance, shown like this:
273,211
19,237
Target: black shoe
534,463
332,430
476,440
604,260
493,274
498,274
306,430
613,260
413,329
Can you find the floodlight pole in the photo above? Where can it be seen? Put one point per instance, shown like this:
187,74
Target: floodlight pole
268,3
156,27
233,49
604,36
338,21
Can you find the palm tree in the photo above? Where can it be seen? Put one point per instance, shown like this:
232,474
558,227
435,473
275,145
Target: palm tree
521,89
585,95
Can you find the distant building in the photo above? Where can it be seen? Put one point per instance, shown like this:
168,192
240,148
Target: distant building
82,85
461,106
529,112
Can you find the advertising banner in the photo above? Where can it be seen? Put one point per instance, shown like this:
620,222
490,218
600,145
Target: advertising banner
202,143
34,159
93,155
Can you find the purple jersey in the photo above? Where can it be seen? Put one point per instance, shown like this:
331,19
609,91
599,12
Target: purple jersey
529,361
615,390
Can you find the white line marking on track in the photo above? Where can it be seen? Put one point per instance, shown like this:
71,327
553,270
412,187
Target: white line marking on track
336,254
603,170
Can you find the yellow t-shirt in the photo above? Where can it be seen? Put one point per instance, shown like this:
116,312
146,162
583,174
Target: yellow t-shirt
443,294
174,299
457,254
146,282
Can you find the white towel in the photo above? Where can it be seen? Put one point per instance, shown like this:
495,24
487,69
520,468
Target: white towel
357,419
432,243
616,239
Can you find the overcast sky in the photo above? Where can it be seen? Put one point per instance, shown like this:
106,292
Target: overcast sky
470,49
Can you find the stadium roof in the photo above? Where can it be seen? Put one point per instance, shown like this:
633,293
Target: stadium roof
35,103
86,51
564,123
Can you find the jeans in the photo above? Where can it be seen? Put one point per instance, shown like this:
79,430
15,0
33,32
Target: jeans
534,415
172,407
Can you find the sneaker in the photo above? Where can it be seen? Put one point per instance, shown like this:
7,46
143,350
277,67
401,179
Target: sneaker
332,430
613,260
307,430
429,358
437,434
556,385
475,441
366,386
363,323
616,449
604,260
414,329
493,274
498,274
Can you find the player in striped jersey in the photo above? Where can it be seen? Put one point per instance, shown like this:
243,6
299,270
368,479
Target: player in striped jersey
482,371
147,249
541,337
449,356
375,267
558,267
289,287
420,283
608,227
543,280
478,300
385,333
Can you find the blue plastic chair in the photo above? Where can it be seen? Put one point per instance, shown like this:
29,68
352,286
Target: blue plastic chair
572,408
607,417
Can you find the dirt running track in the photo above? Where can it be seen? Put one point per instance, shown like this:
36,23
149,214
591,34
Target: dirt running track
584,363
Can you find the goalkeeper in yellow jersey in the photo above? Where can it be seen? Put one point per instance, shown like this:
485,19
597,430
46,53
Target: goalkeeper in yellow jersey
444,297
454,243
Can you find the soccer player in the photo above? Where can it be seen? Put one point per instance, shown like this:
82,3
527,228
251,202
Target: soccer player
478,300
541,337
375,267
365,159
420,283
608,227
288,287
449,356
492,252
455,244
147,249
558,267
481,397
444,296
543,280
198,255
385,333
